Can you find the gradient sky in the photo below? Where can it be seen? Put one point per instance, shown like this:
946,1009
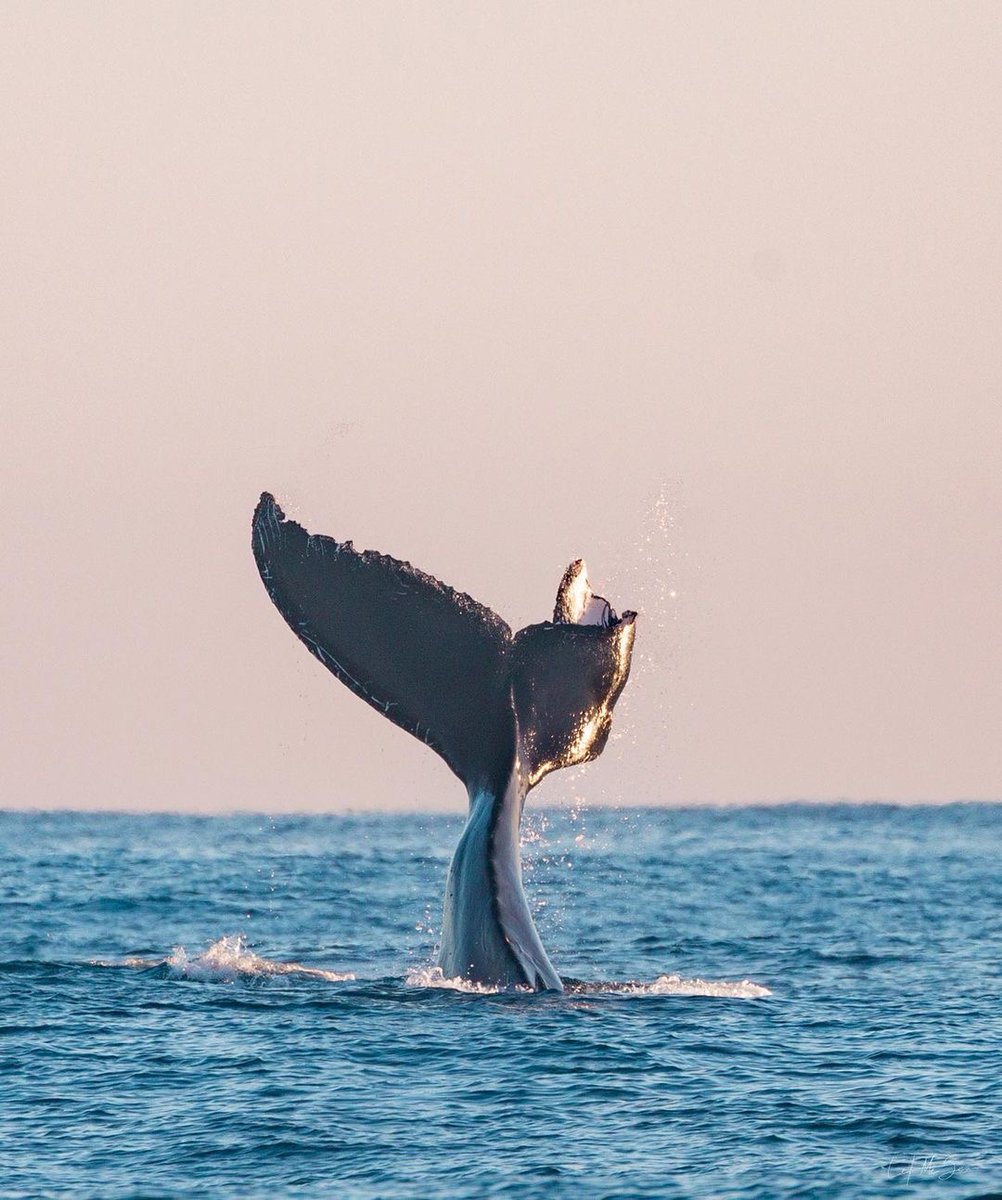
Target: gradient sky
707,293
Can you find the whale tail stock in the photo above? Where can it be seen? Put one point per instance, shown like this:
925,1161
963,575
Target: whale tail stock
501,709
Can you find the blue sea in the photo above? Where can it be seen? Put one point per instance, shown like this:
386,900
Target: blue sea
778,1001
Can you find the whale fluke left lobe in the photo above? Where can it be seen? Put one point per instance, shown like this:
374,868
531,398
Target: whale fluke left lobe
432,660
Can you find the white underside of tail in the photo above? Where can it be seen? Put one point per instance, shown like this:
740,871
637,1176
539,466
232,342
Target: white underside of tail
488,934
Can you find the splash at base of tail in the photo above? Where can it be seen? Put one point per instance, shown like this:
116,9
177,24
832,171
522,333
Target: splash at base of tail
502,709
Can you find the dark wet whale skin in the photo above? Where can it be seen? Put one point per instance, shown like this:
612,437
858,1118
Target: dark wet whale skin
503,710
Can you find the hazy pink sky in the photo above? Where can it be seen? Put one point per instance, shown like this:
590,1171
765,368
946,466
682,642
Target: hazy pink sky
707,293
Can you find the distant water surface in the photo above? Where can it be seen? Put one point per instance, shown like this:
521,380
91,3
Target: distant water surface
793,1001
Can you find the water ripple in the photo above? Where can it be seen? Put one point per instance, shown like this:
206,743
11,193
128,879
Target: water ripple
807,1005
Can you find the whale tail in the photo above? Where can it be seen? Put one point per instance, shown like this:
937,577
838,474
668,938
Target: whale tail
443,666
503,710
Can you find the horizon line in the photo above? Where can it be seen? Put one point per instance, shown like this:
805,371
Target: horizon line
458,811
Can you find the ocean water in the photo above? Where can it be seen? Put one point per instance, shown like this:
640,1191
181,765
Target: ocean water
791,1001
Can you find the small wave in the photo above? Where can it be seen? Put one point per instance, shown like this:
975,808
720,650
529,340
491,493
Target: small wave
225,961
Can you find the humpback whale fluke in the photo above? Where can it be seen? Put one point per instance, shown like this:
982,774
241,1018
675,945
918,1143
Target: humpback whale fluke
502,709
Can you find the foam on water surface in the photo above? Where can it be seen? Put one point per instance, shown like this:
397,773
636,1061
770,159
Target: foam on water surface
675,985
664,985
434,977
226,960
